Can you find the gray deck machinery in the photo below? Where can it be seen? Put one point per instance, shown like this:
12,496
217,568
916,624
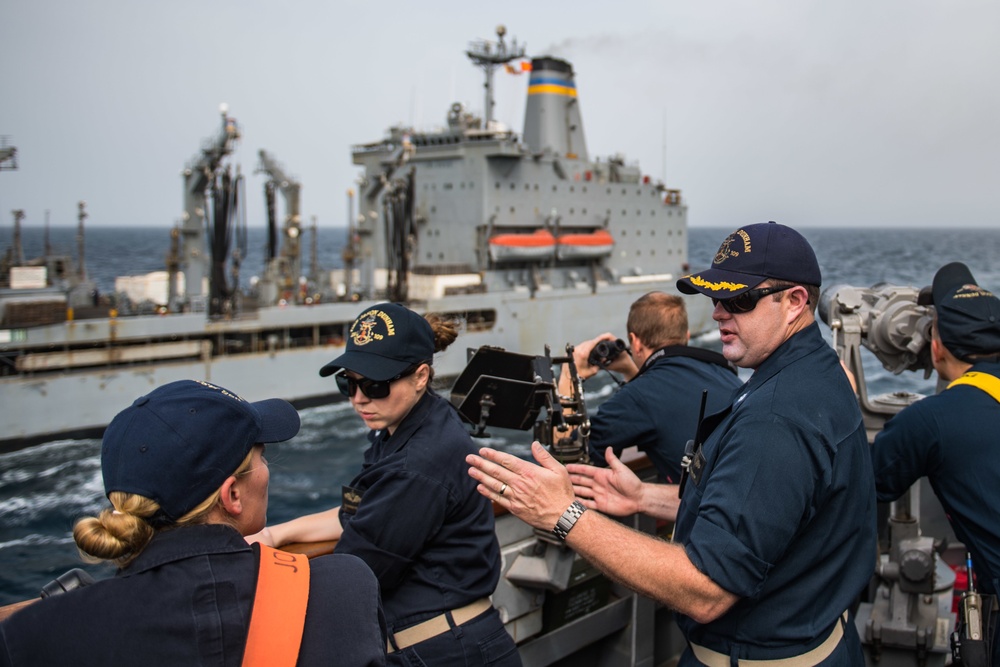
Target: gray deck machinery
907,618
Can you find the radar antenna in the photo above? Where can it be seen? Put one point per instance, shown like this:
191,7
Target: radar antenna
489,56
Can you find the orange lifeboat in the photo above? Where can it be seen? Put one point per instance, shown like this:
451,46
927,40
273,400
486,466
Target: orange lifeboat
536,246
588,245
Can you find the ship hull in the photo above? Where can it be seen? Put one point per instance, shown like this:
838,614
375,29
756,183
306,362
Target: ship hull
61,394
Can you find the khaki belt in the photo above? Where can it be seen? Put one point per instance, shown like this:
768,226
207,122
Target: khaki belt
808,659
433,627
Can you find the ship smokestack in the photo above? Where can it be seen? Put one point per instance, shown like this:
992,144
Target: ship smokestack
552,114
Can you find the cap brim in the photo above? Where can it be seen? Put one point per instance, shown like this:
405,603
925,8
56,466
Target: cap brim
279,420
366,364
718,283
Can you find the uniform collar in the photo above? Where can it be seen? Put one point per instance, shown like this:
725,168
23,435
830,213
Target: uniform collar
800,344
175,544
390,444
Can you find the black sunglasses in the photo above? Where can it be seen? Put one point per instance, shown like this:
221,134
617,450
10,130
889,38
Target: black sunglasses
747,301
370,388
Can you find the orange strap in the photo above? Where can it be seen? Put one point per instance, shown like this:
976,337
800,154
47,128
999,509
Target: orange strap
279,608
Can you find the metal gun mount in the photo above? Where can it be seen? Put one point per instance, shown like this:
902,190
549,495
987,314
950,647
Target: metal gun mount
519,391
909,620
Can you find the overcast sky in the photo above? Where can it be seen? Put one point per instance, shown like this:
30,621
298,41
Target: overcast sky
821,113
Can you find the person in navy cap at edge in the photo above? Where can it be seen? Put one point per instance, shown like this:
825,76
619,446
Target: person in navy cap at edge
412,513
185,472
951,437
775,530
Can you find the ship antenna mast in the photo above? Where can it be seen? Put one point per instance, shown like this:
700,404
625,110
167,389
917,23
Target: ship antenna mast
490,55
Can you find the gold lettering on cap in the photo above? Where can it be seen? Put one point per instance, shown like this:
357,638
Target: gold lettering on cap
746,240
363,329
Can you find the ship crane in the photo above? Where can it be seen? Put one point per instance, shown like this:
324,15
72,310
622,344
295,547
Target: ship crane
8,156
285,268
198,175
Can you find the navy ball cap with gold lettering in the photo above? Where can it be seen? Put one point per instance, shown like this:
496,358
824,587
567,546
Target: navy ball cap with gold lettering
383,342
751,255
968,316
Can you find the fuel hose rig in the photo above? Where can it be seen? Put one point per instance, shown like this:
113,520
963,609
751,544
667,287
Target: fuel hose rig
907,619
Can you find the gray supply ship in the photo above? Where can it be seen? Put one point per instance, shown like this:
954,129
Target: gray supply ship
528,240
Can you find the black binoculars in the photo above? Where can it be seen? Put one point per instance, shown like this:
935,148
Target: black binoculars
605,352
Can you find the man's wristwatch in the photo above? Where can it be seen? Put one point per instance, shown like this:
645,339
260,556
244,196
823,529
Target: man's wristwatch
568,519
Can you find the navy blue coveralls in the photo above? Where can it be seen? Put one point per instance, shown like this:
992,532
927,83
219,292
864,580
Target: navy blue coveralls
658,410
186,600
782,513
952,439
429,536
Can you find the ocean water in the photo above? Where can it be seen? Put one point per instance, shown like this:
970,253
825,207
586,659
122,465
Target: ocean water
44,489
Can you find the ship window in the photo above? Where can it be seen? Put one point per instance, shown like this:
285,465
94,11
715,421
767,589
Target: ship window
441,255
623,190
624,213
609,190
652,232
555,188
527,186
638,232
624,232
571,211
434,209
447,186
498,185
638,212
512,186
461,185
572,188
638,192
584,211
585,188
511,209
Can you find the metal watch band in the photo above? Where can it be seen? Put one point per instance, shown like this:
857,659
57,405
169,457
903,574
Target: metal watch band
568,519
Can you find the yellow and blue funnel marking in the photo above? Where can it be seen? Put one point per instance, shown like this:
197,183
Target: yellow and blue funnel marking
541,85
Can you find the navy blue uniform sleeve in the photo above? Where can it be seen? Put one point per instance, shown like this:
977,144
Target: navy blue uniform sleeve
752,505
906,449
397,516
619,423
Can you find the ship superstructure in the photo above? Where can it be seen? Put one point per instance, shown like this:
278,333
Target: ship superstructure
526,240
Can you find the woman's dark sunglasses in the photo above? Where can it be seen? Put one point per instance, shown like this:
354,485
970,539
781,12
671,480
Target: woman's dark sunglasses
370,388
747,301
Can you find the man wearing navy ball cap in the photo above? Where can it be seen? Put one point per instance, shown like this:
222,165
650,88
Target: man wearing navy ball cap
775,532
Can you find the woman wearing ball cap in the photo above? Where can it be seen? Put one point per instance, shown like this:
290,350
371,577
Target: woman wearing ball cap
412,513
185,473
